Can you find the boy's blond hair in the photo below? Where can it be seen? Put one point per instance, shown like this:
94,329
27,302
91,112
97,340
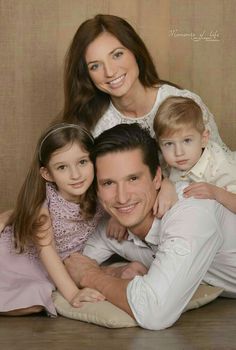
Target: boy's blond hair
176,112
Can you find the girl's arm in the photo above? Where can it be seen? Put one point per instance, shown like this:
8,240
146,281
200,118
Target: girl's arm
166,198
57,270
205,190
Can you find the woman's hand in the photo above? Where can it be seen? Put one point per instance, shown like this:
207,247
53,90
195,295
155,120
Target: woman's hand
116,230
166,198
86,295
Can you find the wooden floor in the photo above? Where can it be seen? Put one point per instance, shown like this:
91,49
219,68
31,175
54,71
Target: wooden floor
210,327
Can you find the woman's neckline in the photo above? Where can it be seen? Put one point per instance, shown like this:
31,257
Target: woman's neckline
123,116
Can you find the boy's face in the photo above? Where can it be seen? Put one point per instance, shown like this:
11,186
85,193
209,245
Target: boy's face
183,149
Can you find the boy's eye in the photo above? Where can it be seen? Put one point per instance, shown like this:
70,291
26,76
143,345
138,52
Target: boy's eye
188,140
167,144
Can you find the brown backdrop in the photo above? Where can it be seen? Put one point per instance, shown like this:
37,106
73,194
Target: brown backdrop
192,43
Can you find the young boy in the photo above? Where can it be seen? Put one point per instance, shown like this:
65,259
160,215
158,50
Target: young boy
189,154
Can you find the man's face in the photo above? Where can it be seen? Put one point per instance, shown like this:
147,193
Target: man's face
126,189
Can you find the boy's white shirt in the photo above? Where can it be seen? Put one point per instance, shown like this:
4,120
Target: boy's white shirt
214,167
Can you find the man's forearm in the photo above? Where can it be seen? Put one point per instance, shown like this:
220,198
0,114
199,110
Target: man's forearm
114,289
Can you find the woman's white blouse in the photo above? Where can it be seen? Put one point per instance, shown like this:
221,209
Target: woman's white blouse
113,117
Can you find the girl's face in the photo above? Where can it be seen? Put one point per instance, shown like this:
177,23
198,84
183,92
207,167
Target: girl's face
72,171
112,67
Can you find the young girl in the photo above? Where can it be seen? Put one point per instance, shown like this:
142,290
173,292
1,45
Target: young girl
191,156
55,214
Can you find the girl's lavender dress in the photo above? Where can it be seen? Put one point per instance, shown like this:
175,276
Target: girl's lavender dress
23,280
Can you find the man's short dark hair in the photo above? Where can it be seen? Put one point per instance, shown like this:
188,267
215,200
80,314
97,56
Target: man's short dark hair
125,137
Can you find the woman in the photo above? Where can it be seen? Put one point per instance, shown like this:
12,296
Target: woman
110,79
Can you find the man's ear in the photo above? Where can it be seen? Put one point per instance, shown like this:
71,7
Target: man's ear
158,178
45,174
205,138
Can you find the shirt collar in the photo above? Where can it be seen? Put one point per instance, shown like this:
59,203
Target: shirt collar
152,236
199,168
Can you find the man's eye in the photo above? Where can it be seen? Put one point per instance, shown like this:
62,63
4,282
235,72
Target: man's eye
133,178
107,183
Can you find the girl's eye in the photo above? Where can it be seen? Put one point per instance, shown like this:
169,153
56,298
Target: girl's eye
118,54
83,161
61,167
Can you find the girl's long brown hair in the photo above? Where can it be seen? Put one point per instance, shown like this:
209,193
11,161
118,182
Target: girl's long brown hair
25,218
83,101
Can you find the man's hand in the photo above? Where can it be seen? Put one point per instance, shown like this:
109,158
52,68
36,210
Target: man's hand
79,267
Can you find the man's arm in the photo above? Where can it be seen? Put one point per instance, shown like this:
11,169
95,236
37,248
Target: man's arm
90,274
190,238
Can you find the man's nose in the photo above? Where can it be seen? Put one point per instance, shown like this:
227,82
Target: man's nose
122,194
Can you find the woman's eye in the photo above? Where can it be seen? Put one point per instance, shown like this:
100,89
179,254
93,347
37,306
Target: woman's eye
118,54
94,67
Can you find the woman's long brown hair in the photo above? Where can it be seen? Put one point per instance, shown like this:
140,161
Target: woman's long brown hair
85,103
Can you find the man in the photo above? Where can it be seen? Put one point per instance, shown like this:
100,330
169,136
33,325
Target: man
194,242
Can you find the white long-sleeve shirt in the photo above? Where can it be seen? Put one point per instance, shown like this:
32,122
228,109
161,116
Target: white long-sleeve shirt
194,242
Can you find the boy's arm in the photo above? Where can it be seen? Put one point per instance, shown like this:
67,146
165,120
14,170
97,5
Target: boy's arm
203,190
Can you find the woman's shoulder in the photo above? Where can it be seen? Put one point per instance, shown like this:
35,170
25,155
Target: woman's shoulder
109,119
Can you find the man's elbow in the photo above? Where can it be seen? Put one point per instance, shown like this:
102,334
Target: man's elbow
156,320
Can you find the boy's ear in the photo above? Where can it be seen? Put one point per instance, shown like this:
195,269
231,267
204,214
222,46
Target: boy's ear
158,178
205,137
45,174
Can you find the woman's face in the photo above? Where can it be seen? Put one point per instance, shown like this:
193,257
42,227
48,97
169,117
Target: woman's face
112,67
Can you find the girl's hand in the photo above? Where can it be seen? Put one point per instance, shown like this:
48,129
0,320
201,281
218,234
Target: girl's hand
166,198
88,295
116,230
201,190
3,219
